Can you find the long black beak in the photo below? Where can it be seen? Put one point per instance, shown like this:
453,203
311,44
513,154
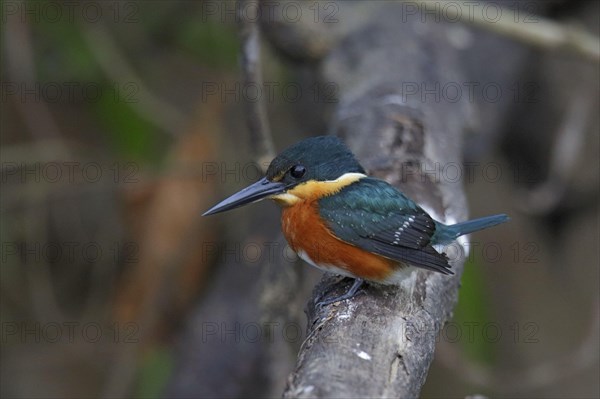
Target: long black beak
255,192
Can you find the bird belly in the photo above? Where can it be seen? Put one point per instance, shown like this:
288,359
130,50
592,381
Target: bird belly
314,242
324,267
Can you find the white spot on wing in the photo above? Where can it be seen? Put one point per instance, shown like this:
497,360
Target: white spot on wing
363,355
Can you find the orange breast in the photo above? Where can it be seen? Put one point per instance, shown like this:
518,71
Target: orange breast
304,231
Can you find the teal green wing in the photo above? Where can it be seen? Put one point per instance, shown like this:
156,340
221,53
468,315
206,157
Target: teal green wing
374,216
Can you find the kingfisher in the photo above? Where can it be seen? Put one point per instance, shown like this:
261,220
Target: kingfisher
342,221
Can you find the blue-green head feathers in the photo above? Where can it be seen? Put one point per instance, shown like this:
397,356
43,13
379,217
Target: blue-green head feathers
317,158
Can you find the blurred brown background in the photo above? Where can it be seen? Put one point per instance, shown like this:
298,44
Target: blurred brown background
123,121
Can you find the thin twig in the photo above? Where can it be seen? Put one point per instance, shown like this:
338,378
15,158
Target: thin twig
21,71
261,140
42,126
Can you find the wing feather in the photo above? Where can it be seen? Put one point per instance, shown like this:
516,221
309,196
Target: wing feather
373,215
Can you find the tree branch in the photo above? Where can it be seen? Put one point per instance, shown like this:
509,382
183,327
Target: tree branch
540,32
381,343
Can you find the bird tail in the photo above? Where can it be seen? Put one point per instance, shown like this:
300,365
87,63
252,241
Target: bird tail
445,233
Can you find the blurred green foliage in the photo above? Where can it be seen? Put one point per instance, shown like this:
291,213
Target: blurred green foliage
214,44
131,136
154,372
474,309
63,56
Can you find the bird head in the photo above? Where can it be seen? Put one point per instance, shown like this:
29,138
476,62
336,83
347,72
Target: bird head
315,166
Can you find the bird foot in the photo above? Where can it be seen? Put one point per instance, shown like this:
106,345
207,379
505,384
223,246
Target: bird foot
349,294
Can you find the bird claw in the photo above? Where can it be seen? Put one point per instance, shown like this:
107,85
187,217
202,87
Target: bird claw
349,294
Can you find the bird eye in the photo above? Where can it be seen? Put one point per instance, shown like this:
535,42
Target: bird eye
297,171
